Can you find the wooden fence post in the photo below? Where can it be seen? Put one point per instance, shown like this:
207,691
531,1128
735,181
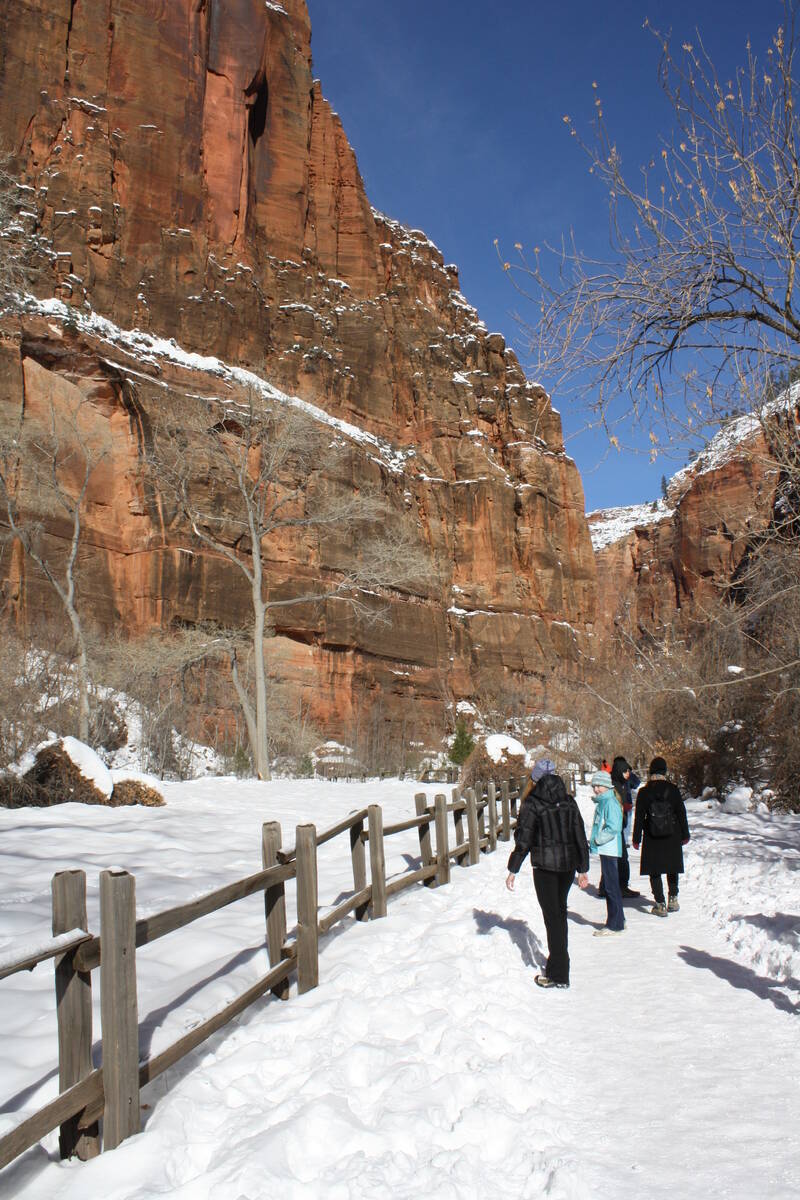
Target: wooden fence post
479,789
359,857
377,861
74,1011
307,928
458,825
442,848
505,807
121,1117
491,794
472,826
425,849
274,903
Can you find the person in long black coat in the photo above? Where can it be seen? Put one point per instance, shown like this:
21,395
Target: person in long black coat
550,828
661,828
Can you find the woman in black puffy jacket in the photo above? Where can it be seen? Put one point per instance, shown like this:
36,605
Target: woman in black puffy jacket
550,829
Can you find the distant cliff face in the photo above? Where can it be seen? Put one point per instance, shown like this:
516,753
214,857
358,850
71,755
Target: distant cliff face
661,562
184,177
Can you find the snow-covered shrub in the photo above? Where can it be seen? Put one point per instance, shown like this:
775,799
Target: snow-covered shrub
58,779
133,791
16,792
68,771
739,800
481,766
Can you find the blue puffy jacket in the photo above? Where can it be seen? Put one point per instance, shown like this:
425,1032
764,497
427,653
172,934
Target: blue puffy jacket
607,826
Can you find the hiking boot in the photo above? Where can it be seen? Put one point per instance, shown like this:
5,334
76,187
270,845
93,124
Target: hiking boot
606,932
543,982
629,893
672,904
659,910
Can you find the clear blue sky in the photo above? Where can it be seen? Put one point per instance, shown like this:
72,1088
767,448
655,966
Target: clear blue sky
455,107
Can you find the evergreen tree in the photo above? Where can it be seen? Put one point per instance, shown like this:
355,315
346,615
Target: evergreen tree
463,744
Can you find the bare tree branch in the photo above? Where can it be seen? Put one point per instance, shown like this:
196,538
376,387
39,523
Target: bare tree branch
244,476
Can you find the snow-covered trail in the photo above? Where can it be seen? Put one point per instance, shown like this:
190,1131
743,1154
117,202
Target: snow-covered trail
428,1063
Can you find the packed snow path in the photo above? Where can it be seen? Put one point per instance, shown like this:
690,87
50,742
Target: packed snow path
427,1062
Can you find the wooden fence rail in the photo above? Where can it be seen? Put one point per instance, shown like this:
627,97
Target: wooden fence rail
112,1091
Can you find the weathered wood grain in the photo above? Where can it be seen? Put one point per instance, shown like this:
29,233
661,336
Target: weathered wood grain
425,846
274,902
57,1112
358,900
26,962
409,878
505,808
358,857
149,929
442,848
307,904
491,798
472,827
119,1008
73,1011
377,861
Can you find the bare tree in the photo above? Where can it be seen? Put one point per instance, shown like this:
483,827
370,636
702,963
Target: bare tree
163,676
46,466
248,476
696,308
13,239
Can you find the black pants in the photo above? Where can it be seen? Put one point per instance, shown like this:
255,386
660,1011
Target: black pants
552,889
624,867
658,887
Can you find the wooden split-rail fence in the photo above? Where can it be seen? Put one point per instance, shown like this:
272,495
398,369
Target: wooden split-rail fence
111,1091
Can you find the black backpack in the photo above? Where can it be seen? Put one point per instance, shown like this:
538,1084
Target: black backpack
661,818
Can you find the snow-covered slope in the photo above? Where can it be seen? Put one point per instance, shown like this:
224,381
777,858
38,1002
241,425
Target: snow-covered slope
607,525
427,1062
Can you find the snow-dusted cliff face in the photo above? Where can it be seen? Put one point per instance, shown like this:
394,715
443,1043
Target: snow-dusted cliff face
188,193
657,560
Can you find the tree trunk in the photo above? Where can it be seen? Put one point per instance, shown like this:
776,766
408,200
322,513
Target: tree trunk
83,675
247,708
261,748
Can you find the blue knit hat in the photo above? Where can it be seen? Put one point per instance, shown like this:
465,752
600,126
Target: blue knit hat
601,779
542,766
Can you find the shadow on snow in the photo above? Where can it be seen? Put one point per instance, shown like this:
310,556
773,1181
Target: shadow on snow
744,978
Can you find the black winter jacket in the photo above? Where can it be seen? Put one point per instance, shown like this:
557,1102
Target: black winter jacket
550,829
662,855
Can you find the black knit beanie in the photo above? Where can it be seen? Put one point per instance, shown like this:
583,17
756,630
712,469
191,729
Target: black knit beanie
658,767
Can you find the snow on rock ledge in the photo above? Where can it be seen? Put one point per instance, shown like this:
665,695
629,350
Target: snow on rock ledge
607,525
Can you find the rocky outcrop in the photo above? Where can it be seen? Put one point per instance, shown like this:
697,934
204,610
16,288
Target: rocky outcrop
182,176
660,563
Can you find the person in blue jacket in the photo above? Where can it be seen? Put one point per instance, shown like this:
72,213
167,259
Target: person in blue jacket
625,782
606,841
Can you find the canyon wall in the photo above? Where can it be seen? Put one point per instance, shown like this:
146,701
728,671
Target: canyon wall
194,221
660,566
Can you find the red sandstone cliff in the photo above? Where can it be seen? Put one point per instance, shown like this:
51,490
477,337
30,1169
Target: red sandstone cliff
662,562
185,177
